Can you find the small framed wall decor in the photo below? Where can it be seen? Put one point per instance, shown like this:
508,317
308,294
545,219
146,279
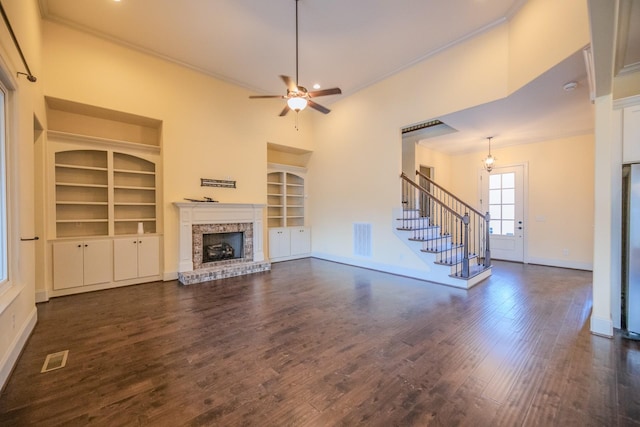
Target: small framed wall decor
207,182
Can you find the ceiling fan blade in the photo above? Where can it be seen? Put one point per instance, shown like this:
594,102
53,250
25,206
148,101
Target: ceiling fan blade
323,110
325,92
265,96
285,110
291,85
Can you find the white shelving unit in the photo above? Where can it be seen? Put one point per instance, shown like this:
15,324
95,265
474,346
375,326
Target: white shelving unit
134,194
289,237
100,191
103,178
81,189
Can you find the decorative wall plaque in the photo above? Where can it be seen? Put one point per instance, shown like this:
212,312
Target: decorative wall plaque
206,182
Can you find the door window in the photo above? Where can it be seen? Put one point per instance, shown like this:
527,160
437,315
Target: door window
502,199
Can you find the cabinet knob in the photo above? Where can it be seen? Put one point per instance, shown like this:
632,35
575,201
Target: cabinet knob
79,246
135,241
140,241
86,245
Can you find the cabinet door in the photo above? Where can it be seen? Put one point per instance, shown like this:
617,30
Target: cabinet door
125,258
67,265
98,265
148,256
300,240
279,242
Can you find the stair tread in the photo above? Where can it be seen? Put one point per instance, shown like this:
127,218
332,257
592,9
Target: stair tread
429,239
428,227
438,250
454,260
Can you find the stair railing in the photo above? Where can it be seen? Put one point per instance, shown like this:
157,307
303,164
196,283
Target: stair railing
447,231
479,222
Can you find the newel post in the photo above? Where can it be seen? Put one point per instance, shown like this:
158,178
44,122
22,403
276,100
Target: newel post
487,249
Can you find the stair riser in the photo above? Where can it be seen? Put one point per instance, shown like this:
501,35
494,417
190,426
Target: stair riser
437,244
410,214
439,256
413,223
457,267
428,234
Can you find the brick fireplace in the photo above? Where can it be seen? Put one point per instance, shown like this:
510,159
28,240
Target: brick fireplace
220,240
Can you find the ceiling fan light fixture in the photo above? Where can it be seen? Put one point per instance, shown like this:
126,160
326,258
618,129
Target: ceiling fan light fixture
297,103
298,98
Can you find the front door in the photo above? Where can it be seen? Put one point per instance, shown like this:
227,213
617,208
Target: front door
503,197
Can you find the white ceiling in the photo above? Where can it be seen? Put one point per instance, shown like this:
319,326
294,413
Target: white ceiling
347,43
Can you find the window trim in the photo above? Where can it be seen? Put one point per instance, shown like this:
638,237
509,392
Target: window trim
8,290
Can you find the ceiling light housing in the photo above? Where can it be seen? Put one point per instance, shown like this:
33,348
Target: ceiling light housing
297,103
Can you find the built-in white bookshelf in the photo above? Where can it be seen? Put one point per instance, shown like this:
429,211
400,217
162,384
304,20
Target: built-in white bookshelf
285,199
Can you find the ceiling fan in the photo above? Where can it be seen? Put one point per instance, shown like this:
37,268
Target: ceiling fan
298,97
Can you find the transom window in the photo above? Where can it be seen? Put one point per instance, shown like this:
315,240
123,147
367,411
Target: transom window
502,203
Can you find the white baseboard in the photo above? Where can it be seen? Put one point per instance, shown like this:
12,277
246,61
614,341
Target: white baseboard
171,275
601,326
14,350
42,296
575,265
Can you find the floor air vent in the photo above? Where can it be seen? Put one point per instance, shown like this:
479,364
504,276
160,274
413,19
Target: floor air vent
362,239
55,361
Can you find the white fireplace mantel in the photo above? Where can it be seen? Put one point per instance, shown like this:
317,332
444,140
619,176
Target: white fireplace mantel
216,213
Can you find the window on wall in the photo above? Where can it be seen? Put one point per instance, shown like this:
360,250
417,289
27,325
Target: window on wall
3,192
502,203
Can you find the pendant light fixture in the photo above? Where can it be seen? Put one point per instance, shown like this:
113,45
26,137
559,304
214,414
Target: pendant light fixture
489,161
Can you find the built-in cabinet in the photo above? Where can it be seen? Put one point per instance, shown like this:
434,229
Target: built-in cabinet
136,257
82,263
289,238
100,191
104,219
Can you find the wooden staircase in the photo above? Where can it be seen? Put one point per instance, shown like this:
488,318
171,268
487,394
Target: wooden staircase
450,236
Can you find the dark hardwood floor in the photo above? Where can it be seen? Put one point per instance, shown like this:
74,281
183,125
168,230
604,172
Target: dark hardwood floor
321,344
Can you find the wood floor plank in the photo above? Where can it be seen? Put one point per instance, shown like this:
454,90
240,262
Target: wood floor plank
314,343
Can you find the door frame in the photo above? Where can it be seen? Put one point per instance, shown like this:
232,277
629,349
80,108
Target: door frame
525,201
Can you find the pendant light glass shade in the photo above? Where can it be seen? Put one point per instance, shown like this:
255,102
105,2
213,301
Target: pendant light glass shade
297,103
489,161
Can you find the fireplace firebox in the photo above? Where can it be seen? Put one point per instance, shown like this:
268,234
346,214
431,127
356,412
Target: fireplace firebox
222,246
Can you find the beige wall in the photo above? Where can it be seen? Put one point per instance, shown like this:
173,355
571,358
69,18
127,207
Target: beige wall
210,128
541,34
440,162
560,196
17,305
357,158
